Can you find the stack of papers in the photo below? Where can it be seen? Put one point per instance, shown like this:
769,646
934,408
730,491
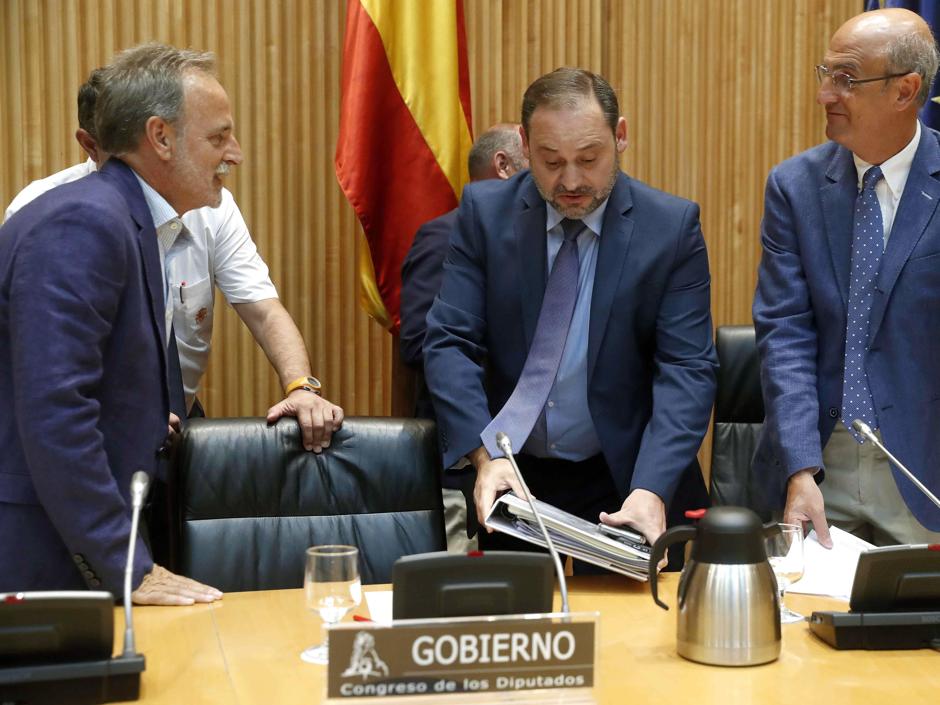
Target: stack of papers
571,535
830,571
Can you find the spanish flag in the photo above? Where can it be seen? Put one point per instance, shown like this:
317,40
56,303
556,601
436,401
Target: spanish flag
404,135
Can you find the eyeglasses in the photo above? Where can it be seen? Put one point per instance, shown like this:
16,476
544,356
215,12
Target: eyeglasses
844,83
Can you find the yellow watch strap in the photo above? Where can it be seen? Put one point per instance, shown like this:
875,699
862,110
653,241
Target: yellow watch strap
304,382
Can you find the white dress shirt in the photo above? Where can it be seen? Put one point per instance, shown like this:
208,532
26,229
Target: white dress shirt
213,248
168,226
890,189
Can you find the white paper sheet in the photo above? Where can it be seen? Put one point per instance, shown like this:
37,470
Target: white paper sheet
830,572
380,605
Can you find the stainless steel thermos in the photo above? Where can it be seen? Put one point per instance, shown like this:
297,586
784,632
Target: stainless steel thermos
728,607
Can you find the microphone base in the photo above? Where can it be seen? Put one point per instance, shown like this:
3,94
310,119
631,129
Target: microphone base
80,682
877,630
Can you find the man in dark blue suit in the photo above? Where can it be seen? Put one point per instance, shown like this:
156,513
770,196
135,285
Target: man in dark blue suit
496,154
607,387
848,295
83,309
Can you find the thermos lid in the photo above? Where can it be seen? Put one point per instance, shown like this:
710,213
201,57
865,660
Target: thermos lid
729,535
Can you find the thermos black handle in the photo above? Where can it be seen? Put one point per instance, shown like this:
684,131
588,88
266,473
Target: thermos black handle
676,534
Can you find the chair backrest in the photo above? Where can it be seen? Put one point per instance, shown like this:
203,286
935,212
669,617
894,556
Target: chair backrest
739,414
252,500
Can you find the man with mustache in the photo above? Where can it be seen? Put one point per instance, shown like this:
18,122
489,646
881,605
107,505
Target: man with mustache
211,249
83,330
574,316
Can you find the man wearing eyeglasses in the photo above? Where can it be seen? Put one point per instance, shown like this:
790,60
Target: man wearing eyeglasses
847,309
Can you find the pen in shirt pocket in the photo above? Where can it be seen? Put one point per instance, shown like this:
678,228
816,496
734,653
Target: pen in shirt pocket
182,286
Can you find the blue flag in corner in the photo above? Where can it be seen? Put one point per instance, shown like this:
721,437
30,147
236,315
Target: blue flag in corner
930,11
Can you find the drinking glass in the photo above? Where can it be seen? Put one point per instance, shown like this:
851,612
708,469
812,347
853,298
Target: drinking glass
785,553
332,588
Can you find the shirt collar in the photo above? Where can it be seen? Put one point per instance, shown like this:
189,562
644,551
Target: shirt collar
160,210
593,220
896,169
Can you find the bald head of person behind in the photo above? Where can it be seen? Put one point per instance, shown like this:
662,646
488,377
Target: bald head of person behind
497,153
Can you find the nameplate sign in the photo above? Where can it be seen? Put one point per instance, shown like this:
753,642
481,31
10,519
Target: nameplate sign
466,655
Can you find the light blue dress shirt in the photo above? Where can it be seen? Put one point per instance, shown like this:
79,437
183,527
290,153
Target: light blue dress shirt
565,429
168,226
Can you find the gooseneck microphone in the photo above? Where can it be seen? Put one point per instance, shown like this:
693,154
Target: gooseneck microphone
504,444
865,430
72,652
139,484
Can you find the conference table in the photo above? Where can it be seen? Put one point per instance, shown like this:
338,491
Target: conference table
244,650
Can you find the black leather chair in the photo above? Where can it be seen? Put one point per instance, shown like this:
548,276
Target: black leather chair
251,499
739,414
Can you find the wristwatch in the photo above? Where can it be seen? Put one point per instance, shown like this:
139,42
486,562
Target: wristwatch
311,384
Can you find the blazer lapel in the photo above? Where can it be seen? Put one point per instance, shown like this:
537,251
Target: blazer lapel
150,253
616,233
917,206
147,242
838,200
531,257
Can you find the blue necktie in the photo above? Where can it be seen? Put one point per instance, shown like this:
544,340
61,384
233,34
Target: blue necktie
867,248
518,416
174,381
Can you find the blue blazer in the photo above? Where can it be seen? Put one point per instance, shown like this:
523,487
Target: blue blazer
651,360
800,318
421,274
83,394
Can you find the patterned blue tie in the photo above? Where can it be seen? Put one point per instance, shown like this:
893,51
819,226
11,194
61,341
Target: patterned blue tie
518,416
867,248
174,379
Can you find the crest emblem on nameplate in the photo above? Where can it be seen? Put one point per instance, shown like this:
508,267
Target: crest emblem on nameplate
365,660
463,656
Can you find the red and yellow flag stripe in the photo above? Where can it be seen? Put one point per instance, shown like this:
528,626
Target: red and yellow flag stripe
401,156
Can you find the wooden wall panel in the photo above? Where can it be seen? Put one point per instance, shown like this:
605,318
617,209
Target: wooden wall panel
280,62
714,91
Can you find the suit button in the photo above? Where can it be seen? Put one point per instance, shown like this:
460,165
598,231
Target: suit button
94,582
833,412
83,566
89,575
78,558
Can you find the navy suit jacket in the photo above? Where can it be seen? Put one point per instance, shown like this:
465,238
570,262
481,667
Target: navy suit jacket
651,360
800,318
83,394
421,275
